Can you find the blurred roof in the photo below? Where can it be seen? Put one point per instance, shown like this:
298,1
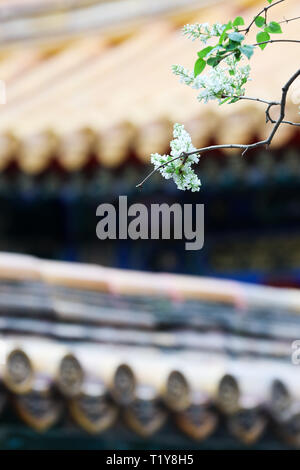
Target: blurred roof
103,344
111,93
92,277
38,19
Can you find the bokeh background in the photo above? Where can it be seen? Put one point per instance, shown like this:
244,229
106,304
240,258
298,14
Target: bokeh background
90,95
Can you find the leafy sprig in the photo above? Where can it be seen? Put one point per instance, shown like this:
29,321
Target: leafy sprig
224,82
266,29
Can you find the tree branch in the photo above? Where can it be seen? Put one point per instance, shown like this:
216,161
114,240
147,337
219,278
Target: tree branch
244,147
288,20
297,124
269,119
264,10
250,98
276,40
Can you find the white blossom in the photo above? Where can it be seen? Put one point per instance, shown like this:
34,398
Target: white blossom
180,169
226,79
202,31
185,75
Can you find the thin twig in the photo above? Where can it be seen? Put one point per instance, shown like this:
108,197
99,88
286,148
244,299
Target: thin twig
266,14
272,121
268,118
288,20
264,10
297,124
276,40
250,98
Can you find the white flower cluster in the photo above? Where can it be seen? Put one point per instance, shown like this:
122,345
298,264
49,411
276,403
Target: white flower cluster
202,31
185,76
219,82
226,79
180,169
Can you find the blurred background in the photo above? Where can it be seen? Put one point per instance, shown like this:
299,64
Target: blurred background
90,95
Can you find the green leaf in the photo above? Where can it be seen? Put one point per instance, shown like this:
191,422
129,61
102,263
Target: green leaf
262,37
204,52
237,37
223,37
239,21
273,28
199,66
270,1
259,21
232,45
213,61
247,50
224,34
